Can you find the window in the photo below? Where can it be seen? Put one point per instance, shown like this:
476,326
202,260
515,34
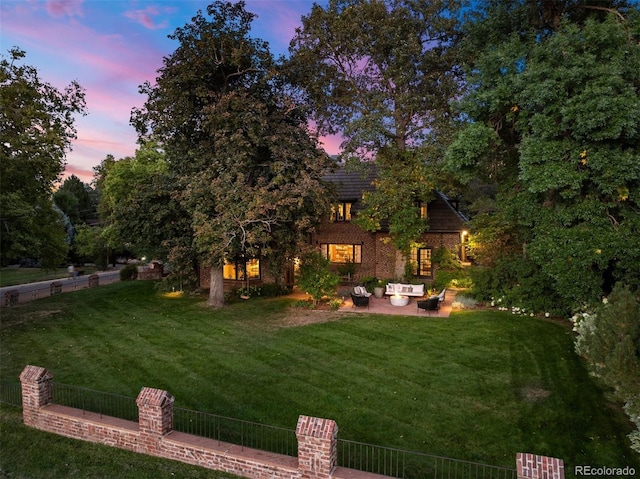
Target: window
422,208
342,253
341,212
421,259
240,270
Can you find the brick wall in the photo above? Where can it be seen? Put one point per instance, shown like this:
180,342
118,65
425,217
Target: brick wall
379,257
153,434
530,466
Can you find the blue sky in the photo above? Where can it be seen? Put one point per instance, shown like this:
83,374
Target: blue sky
111,47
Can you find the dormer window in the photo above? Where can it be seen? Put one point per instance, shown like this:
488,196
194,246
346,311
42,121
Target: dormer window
422,209
341,211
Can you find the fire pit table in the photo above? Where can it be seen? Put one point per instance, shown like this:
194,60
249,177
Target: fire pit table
399,300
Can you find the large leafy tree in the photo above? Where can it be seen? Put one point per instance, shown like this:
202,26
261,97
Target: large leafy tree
77,199
36,131
555,126
246,166
137,209
382,74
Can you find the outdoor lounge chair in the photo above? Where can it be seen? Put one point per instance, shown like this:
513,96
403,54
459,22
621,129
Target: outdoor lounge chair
431,304
361,291
360,301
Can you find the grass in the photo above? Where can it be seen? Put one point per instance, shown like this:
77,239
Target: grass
13,276
478,386
28,453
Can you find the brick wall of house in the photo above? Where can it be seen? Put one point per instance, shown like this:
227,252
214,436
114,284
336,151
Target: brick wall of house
348,233
379,257
153,434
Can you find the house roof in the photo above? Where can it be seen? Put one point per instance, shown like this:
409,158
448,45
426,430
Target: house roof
351,185
443,214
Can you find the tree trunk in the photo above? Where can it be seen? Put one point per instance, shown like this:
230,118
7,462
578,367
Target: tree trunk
400,263
216,287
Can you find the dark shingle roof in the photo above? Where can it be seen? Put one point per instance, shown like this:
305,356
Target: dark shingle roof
443,215
351,185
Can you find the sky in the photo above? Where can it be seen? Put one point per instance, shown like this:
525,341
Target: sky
110,47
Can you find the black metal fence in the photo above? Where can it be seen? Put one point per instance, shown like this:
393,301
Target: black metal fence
11,393
105,404
235,431
413,465
381,460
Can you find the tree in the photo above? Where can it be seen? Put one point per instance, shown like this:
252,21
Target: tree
137,210
89,243
554,124
247,168
609,339
37,130
75,198
382,74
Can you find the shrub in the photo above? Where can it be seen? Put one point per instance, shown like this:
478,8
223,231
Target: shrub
334,304
519,282
315,278
464,302
347,269
129,272
369,282
609,339
457,278
446,259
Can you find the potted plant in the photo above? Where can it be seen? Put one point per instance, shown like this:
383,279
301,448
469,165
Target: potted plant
378,289
368,282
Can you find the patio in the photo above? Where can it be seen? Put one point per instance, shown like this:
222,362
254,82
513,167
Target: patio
384,306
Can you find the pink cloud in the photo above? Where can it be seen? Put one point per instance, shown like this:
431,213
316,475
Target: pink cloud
64,8
145,17
86,176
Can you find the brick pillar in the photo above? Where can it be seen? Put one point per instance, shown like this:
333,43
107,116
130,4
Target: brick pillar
155,417
530,466
317,447
36,392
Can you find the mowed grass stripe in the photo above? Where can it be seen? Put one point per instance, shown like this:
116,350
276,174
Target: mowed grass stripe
479,385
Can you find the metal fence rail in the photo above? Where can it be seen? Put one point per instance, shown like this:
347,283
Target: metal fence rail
381,460
105,404
235,431
11,393
413,465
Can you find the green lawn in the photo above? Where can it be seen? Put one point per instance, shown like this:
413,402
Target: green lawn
478,386
29,454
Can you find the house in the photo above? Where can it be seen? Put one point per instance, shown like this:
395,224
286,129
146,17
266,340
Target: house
342,241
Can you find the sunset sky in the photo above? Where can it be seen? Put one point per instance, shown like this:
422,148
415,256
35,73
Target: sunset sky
111,47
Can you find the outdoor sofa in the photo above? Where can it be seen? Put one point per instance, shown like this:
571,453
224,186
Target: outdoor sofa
416,290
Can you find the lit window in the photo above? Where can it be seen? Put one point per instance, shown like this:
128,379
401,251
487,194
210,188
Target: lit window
421,259
422,208
342,253
239,270
341,212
